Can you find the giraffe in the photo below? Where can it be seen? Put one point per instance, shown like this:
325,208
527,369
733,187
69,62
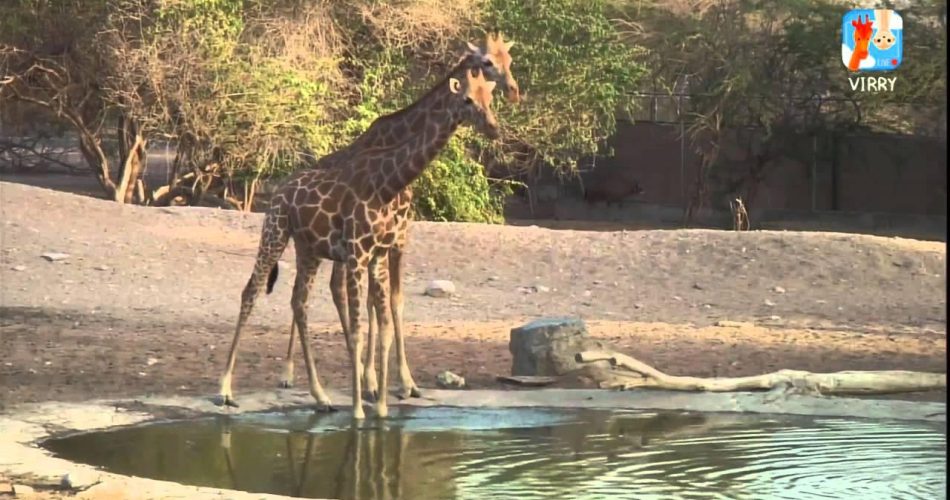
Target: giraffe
345,215
862,35
494,60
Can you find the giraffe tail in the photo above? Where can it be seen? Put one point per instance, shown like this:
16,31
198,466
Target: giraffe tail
271,279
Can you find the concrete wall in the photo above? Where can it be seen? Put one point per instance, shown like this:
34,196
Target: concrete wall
871,182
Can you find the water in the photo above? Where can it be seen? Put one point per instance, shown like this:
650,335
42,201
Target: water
531,453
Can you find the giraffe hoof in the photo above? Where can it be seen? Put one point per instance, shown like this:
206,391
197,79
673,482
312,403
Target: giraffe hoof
413,392
221,400
327,408
285,384
371,396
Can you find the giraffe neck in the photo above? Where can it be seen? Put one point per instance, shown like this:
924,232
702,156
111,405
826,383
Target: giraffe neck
395,128
405,162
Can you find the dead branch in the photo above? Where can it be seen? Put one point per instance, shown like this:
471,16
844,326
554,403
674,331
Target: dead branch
844,382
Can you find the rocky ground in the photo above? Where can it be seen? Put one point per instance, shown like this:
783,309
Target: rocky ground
146,298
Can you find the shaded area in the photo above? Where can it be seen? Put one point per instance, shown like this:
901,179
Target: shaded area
480,453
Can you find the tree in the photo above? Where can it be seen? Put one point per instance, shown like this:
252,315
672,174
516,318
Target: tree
772,67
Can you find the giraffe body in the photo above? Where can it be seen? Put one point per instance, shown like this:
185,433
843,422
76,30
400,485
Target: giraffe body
346,215
494,60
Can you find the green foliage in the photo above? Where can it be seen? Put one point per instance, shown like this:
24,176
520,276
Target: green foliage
576,71
231,82
764,63
455,188
239,97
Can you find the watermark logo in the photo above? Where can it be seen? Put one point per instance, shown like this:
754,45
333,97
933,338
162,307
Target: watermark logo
872,41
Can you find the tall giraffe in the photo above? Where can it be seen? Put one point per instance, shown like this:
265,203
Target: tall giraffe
345,215
494,60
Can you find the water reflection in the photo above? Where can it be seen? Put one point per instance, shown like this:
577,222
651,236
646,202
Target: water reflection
453,453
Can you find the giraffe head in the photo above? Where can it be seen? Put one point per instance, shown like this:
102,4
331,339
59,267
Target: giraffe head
474,102
495,61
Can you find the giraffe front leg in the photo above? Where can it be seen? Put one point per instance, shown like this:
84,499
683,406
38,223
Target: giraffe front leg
356,298
370,386
409,388
287,381
379,274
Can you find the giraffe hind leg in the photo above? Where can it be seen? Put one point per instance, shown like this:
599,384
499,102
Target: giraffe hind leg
274,238
287,380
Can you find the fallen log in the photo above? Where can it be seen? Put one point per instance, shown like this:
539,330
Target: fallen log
629,373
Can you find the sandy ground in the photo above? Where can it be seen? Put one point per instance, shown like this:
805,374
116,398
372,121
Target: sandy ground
146,301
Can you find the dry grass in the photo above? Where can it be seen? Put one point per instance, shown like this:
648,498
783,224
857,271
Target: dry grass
436,24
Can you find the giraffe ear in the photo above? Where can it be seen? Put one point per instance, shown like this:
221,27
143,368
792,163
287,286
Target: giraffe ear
854,23
455,85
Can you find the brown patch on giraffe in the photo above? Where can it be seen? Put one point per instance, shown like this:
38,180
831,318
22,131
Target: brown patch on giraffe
367,242
320,223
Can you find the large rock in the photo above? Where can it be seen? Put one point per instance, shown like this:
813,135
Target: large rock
546,347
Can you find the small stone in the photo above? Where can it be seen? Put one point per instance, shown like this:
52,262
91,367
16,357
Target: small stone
541,289
449,380
698,286
775,317
638,306
440,288
142,374
19,268
707,306
101,268
151,361
55,256
769,303
493,278
598,282
65,482
23,490
778,289
587,293
47,363
677,298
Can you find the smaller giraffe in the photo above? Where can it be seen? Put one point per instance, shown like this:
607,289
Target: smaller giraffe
862,36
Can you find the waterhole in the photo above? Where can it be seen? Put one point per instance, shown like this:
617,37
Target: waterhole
530,453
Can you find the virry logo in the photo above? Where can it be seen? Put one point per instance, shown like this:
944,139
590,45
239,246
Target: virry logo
872,40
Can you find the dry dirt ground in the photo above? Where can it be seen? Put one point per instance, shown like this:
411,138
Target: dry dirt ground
147,299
